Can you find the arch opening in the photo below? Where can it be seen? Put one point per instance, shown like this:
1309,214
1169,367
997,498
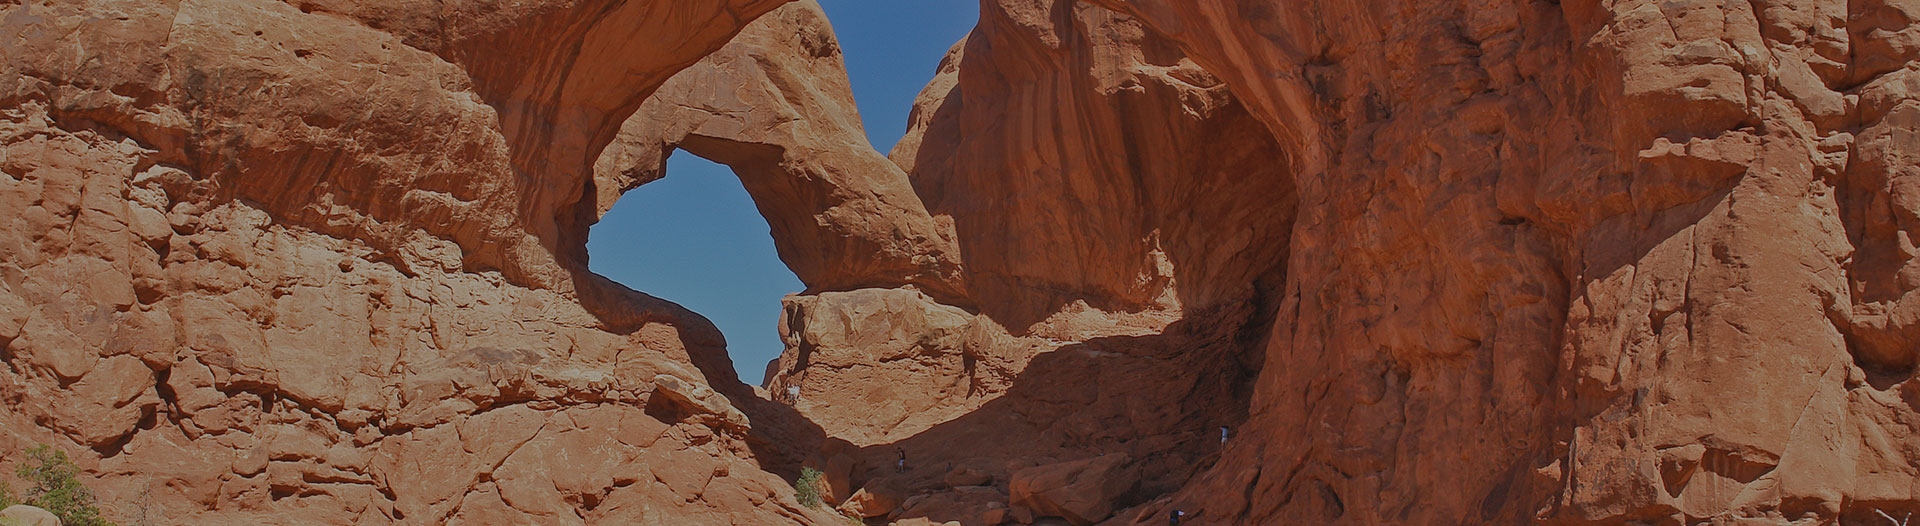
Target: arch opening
698,240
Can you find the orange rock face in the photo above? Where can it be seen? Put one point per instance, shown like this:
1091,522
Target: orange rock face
1259,261
775,106
1555,262
320,263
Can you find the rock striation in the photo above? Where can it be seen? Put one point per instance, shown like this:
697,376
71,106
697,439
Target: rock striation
1262,261
321,262
1540,262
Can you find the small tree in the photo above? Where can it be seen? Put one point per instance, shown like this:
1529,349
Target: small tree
56,488
807,489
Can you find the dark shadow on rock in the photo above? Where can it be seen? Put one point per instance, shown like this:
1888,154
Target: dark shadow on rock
1159,399
780,437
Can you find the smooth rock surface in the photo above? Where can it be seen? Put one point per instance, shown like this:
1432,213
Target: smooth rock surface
24,515
1082,491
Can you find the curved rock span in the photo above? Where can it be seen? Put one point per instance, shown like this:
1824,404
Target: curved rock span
1255,261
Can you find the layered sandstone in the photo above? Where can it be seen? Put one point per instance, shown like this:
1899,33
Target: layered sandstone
1122,222
1557,262
321,262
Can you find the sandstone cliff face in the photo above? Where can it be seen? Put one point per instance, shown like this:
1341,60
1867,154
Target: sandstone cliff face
1560,262
1121,221
1109,169
1575,262
319,262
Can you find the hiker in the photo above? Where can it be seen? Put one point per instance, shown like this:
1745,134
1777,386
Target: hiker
793,395
901,467
1223,435
1173,517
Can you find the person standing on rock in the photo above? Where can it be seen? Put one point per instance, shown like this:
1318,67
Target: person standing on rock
1223,435
1173,517
900,467
793,395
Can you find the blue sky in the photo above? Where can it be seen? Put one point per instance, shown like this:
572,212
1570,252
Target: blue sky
694,238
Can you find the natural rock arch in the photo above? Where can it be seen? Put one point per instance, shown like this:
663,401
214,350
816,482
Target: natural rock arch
843,216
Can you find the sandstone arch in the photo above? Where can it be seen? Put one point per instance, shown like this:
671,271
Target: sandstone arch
843,216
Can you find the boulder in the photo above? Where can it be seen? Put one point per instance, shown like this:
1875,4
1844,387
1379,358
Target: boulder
993,515
868,504
966,504
836,476
1080,491
24,515
967,476
922,521
698,399
878,498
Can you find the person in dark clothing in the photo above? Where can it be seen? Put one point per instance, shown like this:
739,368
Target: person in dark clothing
901,467
1173,517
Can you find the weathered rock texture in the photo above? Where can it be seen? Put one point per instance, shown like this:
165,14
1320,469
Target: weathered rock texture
1123,224
320,262
1575,262
775,106
1433,262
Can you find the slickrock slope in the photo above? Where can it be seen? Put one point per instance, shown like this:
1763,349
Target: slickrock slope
1576,262
321,262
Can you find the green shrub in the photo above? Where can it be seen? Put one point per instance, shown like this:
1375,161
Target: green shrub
56,488
807,489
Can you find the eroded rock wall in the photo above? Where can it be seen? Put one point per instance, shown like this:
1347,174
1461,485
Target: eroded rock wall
320,262
1559,262
1574,262
1122,222
1510,262
1084,158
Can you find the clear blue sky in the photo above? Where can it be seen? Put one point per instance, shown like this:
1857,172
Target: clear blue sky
695,238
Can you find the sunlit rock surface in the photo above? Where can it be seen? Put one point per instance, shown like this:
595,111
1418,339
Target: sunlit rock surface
1260,261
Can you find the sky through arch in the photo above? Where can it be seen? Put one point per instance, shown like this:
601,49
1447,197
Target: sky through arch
695,238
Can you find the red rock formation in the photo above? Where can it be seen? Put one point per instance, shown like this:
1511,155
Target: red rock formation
320,262
1088,168
1558,262
1070,258
1107,163
1571,262
1082,491
775,105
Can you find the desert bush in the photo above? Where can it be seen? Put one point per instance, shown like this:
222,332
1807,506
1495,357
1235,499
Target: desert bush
57,489
807,489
